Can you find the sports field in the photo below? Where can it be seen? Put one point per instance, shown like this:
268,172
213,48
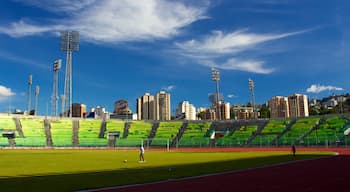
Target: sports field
71,170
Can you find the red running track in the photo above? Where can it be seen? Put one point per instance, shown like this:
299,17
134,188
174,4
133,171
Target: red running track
326,174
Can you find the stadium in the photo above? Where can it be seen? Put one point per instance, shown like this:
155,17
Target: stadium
64,154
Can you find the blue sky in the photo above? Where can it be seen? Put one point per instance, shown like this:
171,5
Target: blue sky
129,47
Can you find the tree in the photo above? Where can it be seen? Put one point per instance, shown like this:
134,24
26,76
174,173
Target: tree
264,111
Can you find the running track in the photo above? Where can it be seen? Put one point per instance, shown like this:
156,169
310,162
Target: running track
326,174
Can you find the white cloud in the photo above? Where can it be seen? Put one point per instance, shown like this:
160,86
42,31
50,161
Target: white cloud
246,65
114,20
231,96
320,88
25,61
5,93
220,43
212,49
169,88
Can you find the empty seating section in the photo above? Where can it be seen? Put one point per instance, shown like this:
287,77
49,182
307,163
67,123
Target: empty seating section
6,123
194,135
273,128
166,131
61,132
329,131
115,126
34,134
300,127
88,134
241,135
138,133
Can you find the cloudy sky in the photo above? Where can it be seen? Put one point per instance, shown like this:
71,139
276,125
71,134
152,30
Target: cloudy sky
129,47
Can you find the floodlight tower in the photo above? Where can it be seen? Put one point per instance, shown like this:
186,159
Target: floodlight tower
69,43
62,105
37,89
30,82
252,96
54,98
215,76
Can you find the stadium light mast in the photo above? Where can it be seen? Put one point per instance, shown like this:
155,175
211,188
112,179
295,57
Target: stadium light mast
69,43
252,96
215,76
37,90
30,82
62,105
54,98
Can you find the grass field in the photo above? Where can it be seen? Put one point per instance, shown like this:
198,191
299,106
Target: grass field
69,170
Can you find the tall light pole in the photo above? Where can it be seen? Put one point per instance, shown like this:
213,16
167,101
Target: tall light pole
54,98
252,96
30,82
215,76
62,106
69,43
37,89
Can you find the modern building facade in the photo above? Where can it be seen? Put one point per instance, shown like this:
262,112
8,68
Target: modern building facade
151,107
279,107
298,105
162,106
187,109
224,110
145,107
78,110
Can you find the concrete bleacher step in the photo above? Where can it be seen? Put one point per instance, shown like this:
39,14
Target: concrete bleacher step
18,127
103,129
75,136
181,131
153,131
47,127
126,129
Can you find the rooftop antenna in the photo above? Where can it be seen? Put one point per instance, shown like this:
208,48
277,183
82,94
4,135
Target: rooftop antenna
69,43
54,99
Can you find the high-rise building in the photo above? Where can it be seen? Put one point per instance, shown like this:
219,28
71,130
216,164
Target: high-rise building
162,106
298,105
224,110
187,109
279,107
78,110
146,107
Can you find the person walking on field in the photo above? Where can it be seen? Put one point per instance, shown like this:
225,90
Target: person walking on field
293,149
142,152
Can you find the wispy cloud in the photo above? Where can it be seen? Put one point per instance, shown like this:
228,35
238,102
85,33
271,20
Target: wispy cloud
220,46
5,93
231,96
168,88
113,21
320,88
22,60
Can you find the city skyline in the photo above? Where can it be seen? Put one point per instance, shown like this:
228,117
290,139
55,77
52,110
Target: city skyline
130,48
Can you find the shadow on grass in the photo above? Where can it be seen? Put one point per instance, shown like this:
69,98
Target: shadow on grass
91,180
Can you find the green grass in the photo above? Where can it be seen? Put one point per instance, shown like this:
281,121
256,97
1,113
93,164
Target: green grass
69,170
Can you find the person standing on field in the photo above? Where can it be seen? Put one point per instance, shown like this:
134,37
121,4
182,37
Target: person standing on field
293,149
142,152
